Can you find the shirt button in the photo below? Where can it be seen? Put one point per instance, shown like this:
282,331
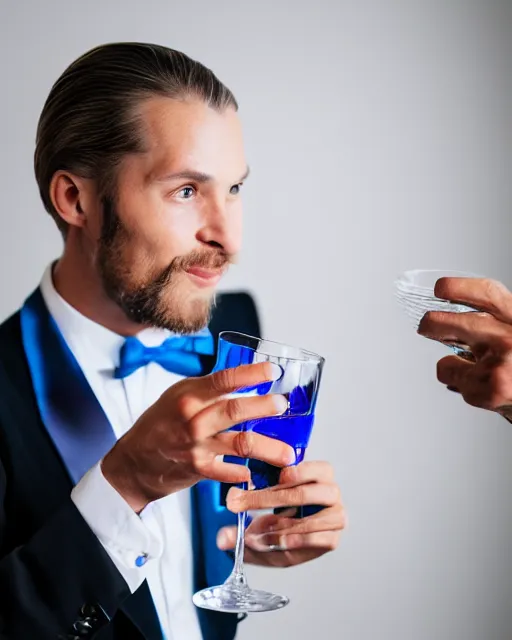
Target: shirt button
141,560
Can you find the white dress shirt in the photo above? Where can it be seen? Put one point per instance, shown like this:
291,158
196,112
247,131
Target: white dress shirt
161,535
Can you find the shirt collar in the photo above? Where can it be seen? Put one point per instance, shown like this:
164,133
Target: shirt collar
81,333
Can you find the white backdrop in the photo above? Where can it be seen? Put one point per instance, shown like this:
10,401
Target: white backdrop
379,137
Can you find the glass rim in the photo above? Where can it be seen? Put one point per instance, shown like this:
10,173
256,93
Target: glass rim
407,276
311,356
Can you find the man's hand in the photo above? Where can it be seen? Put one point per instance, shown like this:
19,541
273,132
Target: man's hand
281,540
181,438
486,382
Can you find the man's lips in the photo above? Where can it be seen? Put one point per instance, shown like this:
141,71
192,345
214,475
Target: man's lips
207,277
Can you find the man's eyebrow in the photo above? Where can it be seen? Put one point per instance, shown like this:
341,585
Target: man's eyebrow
194,176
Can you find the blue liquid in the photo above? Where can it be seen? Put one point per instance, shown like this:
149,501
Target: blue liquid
293,427
294,430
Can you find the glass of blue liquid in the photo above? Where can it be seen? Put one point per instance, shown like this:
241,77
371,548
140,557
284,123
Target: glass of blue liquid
299,383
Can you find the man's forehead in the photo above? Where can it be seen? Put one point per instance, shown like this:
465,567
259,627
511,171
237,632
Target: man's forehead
189,136
186,121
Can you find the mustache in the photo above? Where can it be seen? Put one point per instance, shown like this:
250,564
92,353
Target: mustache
212,259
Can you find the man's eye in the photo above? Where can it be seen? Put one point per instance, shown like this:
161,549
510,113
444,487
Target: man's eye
186,193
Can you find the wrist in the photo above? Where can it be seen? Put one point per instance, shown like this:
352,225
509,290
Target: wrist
121,475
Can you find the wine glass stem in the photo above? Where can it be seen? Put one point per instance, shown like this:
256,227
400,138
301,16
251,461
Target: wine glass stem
237,576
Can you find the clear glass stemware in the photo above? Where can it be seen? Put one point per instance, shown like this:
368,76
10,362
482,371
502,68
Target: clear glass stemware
299,383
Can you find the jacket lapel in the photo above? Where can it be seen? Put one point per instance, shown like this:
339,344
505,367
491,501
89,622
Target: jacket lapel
74,420
69,409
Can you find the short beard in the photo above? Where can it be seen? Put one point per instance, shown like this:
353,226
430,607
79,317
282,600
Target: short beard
144,303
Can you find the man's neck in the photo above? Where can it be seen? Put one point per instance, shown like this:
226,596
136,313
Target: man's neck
77,282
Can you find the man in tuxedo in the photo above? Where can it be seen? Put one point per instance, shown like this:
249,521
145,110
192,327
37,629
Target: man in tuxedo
112,428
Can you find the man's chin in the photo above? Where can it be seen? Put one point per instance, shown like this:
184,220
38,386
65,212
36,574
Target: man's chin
189,313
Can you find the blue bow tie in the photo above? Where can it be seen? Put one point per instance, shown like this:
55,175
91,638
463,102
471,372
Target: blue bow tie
178,354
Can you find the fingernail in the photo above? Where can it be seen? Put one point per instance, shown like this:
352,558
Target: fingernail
276,371
281,403
291,458
223,539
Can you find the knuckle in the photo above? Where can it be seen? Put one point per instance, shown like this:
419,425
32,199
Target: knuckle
501,382
496,294
223,379
492,288
196,459
298,495
488,289
234,410
184,405
291,541
290,474
243,444
476,319
195,429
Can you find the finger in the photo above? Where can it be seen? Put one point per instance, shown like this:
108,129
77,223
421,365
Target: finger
454,371
487,384
314,471
259,527
314,493
226,538
464,378
227,472
248,444
227,413
324,541
272,533
266,533
477,330
196,393
282,558
329,519
481,293
276,542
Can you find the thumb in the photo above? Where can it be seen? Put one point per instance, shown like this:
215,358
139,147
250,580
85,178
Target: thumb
226,538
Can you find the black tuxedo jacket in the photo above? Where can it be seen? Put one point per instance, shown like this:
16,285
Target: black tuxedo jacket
56,580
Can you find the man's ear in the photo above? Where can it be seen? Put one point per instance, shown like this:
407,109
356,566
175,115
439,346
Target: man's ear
71,196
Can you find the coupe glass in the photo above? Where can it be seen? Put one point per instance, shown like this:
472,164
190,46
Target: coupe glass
414,291
299,383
